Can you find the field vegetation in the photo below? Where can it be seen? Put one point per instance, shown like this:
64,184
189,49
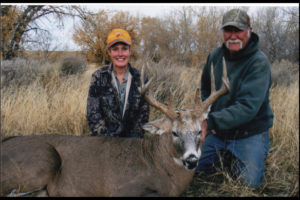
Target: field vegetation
39,97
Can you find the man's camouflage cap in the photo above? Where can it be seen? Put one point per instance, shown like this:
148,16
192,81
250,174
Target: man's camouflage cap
237,18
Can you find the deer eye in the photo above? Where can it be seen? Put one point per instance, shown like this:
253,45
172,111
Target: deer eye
174,134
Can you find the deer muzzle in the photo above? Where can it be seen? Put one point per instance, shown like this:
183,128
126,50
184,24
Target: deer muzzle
191,162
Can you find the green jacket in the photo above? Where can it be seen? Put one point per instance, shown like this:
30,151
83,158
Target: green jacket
245,110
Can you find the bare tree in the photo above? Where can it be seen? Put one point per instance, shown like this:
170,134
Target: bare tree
208,34
279,32
45,44
19,21
292,22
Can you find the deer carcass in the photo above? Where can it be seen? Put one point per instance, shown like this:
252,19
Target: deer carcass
159,165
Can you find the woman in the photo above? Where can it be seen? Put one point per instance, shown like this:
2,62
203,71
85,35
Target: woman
114,105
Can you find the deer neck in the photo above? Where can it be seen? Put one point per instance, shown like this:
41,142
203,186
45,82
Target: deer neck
164,154
178,175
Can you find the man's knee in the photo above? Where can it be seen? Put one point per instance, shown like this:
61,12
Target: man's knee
252,181
250,175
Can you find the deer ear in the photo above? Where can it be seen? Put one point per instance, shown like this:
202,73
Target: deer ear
151,128
158,127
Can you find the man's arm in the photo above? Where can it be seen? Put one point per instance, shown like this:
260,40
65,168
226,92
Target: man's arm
248,99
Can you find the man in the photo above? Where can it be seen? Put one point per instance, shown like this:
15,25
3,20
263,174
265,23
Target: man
114,105
239,121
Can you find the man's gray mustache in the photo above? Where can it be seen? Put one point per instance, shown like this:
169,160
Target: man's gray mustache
234,41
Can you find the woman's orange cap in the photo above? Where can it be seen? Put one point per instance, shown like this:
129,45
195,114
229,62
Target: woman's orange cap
118,35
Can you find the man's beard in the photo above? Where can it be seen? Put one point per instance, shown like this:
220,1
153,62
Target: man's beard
234,41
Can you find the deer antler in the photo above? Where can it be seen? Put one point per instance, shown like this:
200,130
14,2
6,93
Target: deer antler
169,111
214,95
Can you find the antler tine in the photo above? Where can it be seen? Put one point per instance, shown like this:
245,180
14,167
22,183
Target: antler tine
198,100
171,97
144,88
142,76
225,77
199,106
212,79
198,103
167,110
224,88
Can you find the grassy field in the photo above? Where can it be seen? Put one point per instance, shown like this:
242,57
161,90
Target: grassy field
55,104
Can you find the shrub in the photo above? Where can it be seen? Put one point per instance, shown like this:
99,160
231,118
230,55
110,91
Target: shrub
168,75
284,73
73,65
19,71
165,76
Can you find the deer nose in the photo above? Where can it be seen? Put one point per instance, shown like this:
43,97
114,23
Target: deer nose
191,162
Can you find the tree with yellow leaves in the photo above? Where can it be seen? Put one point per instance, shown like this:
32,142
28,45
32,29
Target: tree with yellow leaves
92,33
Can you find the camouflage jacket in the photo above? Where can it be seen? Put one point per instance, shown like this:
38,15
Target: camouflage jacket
103,106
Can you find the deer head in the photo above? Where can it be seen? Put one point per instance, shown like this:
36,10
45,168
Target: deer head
183,125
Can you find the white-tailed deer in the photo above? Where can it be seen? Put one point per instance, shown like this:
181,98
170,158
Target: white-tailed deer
61,165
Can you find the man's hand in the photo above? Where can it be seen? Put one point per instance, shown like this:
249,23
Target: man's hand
204,132
204,128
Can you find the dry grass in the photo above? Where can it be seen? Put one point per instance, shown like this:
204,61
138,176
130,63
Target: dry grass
53,104
283,162
50,105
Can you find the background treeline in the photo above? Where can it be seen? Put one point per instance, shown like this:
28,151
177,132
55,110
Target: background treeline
185,35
